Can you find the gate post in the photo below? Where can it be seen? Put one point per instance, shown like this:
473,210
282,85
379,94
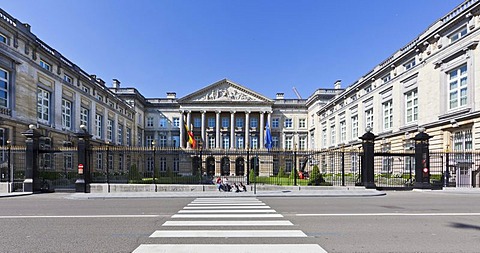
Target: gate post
84,160
31,184
368,145
422,160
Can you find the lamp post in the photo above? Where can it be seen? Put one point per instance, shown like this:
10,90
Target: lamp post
9,173
248,164
295,165
108,166
154,172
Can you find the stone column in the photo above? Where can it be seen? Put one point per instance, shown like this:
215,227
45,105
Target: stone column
217,129
247,129
232,129
182,144
203,125
261,129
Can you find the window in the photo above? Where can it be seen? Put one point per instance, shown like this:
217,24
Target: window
163,122
45,65
149,164
109,130
176,164
386,78
149,121
98,125
288,142
211,122
4,88
343,131
353,97
369,118
274,141
99,161
463,144
288,165
333,138
324,138
162,141
197,122
43,105
368,89
100,97
288,123
302,142
253,122
84,117
120,134
240,142
460,33
86,89
457,87
129,136
225,122
313,120
312,140
387,115
410,64
275,123
66,114
411,106
67,161
239,122
302,123
163,164
3,38
226,142
254,142
211,141
68,79
354,123
149,140
176,122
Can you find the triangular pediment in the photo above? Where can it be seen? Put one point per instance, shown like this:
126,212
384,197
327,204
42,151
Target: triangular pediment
224,91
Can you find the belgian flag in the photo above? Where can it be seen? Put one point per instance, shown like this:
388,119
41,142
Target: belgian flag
188,136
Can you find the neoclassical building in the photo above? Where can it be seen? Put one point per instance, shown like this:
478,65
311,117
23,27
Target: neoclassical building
429,83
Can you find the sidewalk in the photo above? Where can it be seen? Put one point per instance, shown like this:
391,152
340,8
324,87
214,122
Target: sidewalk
14,194
328,192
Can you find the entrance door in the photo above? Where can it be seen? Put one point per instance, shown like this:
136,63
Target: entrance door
225,168
240,167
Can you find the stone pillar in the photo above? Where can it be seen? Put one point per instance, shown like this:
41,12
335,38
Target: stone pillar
217,129
368,145
30,183
232,129
261,130
422,160
203,125
182,123
247,129
85,160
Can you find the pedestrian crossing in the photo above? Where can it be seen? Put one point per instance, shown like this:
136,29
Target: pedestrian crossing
218,219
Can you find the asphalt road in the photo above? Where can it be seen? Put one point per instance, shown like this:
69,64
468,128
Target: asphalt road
397,222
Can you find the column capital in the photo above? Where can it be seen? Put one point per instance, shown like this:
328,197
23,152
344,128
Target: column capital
181,111
262,112
218,111
232,111
203,111
248,112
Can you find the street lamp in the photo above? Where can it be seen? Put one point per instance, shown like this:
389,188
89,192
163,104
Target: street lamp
295,165
248,164
9,173
154,151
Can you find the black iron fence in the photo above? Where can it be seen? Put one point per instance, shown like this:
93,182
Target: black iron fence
12,166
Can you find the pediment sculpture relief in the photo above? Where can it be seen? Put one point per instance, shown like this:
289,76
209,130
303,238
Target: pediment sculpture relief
225,94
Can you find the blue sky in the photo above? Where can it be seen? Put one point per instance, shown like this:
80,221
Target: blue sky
160,46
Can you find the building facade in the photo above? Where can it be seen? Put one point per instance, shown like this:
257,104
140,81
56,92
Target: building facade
429,83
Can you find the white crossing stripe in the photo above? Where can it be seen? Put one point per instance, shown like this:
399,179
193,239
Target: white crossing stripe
227,204
240,215
224,199
230,248
388,214
226,207
228,233
228,211
206,223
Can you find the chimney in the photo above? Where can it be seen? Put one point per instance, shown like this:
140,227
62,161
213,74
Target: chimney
338,84
280,95
171,95
116,84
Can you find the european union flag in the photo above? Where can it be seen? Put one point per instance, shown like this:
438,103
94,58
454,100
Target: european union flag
268,138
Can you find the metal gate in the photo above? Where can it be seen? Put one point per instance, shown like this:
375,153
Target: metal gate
394,170
56,169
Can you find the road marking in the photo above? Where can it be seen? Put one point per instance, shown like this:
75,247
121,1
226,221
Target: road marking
268,215
228,204
226,199
388,214
230,248
228,233
228,223
77,216
226,207
228,211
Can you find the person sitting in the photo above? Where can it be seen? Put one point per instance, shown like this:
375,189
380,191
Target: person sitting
243,187
219,184
237,189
